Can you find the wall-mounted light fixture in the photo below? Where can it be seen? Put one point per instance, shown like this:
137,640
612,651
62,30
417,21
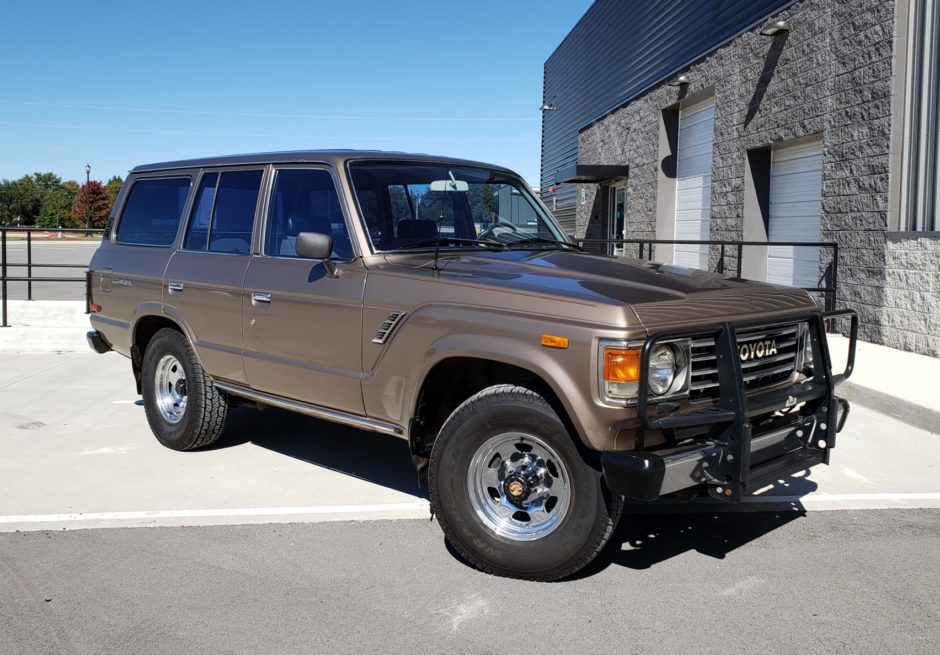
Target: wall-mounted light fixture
547,106
679,80
775,28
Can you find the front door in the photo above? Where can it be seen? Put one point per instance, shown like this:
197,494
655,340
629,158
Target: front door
303,327
617,218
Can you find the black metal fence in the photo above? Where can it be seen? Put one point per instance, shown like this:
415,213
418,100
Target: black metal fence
29,264
828,281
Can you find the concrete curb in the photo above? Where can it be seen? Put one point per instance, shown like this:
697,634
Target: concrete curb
920,416
45,326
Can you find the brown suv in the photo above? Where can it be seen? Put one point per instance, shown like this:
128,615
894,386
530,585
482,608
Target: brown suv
438,301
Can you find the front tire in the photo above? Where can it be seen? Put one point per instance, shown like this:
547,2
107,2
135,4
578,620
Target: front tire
512,492
184,409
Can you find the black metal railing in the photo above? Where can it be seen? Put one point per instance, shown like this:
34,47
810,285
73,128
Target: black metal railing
828,281
29,264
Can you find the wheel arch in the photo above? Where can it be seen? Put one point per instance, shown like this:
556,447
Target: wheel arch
143,331
435,399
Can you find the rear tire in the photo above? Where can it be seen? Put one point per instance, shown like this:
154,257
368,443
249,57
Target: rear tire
512,492
184,409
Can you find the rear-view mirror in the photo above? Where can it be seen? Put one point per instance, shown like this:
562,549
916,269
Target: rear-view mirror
449,185
314,245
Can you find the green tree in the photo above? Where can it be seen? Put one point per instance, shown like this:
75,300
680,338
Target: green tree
92,206
57,203
20,201
46,181
113,186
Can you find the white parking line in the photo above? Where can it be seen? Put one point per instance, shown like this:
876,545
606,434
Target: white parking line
845,498
381,508
416,509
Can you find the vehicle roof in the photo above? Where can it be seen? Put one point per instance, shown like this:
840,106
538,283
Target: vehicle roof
336,157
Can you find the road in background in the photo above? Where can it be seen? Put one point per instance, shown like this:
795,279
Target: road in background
50,252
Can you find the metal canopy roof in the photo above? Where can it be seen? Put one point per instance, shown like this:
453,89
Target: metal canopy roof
587,173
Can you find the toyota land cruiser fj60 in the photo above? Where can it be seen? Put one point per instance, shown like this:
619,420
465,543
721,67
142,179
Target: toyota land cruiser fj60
437,300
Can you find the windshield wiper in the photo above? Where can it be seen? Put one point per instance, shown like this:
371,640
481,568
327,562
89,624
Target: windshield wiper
557,242
458,240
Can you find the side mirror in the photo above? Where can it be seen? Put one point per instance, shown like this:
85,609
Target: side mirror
316,245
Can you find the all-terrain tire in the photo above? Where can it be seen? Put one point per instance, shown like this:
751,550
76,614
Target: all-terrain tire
592,512
202,418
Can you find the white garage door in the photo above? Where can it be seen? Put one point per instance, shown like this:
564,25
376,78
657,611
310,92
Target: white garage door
795,208
694,182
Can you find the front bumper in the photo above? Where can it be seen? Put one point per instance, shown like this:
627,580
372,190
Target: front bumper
749,445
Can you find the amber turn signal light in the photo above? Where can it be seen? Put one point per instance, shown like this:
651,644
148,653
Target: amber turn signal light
621,365
554,341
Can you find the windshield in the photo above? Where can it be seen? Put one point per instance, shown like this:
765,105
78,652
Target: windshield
409,205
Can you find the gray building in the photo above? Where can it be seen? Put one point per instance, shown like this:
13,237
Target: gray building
759,120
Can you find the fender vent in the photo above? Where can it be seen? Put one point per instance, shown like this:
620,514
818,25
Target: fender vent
393,319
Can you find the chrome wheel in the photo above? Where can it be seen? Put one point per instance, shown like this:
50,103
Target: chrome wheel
170,389
518,486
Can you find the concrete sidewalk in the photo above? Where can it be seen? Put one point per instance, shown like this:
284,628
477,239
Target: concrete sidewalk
900,384
78,453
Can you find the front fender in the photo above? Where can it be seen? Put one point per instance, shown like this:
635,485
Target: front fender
433,334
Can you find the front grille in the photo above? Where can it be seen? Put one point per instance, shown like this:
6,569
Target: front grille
761,369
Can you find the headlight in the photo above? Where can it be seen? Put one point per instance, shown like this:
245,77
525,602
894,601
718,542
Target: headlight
662,370
619,371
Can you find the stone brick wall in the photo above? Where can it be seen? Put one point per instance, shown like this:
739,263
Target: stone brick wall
832,77
912,293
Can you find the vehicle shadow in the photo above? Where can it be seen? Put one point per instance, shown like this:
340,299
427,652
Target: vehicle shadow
648,535
377,458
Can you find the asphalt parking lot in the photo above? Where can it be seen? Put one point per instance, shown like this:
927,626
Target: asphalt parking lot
50,251
293,535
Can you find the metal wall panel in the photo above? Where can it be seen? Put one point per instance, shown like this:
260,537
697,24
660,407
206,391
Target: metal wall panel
618,50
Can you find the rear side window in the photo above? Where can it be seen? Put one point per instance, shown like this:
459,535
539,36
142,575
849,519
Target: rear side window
224,212
153,210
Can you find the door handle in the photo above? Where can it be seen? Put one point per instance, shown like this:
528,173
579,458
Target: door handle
174,287
261,296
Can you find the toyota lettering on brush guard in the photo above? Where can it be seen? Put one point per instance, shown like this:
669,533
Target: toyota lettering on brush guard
436,300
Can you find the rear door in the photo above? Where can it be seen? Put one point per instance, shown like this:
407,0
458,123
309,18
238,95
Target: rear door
129,268
203,282
303,327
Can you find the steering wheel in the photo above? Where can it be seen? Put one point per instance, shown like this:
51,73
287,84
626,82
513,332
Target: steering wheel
492,228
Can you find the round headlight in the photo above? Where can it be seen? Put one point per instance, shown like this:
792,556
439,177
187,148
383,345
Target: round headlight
662,369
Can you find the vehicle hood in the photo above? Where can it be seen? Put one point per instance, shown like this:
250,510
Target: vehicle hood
661,295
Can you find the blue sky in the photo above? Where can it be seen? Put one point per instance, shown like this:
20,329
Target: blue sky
120,84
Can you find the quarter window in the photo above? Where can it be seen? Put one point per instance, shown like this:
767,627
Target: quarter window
153,210
224,212
305,201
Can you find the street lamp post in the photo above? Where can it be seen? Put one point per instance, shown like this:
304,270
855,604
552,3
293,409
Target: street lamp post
87,190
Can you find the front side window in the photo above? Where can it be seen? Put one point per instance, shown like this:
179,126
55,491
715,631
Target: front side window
304,200
152,213
410,205
224,212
